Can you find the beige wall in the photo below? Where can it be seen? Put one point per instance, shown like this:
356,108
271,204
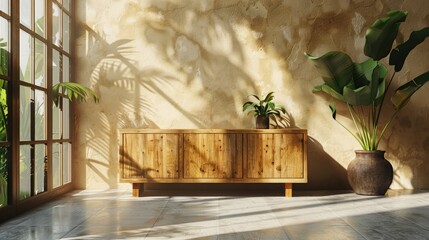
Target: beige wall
191,64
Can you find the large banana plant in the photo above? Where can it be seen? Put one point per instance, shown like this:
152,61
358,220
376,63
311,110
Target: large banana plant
363,86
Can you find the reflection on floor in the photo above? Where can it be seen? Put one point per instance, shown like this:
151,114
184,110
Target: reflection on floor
117,215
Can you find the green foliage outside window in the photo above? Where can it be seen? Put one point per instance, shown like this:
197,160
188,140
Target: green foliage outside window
4,63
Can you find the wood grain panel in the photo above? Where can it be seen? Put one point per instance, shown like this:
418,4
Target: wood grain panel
151,156
237,164
212,156
294,156
275,156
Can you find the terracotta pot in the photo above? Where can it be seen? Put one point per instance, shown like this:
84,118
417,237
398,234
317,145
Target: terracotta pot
262,122
370,173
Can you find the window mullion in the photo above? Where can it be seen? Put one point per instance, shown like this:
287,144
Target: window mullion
14,74
49,103
32,22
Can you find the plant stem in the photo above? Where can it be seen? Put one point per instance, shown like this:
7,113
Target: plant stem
357,136
386,125
382,99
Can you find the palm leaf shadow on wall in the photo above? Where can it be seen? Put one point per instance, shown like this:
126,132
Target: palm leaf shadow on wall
115,71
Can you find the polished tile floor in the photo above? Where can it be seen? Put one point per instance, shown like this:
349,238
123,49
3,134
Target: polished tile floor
310,215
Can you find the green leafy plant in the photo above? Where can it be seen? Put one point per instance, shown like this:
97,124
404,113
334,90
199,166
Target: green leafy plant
72,91
363,86
4,67
264,107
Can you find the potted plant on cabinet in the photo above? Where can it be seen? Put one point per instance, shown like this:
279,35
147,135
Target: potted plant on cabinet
264,109
363,87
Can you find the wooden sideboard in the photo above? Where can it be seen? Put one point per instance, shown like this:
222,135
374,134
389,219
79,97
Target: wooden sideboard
213,156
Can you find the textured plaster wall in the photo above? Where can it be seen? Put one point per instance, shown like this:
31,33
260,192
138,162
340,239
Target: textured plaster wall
191,64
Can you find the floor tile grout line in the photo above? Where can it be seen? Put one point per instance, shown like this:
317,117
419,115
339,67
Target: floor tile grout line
416,223
347,224
79,224
158,217
354,229
411,223
387,210
403,211
278,221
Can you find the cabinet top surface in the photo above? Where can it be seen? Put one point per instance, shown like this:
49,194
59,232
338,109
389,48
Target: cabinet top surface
282,130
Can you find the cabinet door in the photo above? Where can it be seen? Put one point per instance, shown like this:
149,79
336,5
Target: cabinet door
150,156
209,155
275,156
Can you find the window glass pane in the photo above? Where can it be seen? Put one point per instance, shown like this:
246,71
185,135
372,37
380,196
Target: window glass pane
4,46
66,69
4,175
40,63
24,171
40,116
55,66
66,4
25,12
56,118
24,113
4,6
66,163
40,17
56,165
4,70
4,111
40,180
66,32
56,20
25,56
66,119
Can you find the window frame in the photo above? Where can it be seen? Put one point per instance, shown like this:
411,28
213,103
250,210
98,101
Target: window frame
15,205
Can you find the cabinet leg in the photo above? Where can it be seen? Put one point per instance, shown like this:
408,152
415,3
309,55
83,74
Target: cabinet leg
288,189
138,189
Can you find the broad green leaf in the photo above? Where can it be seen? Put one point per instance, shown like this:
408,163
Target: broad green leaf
3,191
318,88
381,84
403,94
247,105
260,109
55,94
356,92
328,90
336,69
4,62
362,73
359,96
382,33
2,44
269,97
333,110
73,91
373,85
400,53
255,96
266,107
